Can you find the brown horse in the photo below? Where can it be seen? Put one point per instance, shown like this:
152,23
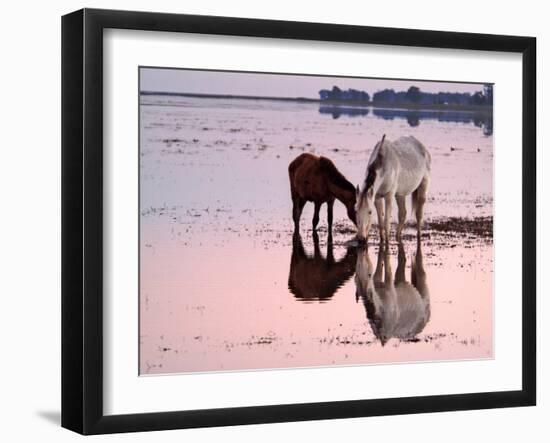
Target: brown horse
317,180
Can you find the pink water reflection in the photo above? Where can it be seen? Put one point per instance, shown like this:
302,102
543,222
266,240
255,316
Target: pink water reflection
231,308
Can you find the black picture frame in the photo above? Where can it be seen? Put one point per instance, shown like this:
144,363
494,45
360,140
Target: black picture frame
82,218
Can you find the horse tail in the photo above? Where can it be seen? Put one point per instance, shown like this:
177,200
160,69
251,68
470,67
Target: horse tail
292,167
428,159
295,164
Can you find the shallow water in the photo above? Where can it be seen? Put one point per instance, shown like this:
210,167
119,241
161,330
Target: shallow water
224,285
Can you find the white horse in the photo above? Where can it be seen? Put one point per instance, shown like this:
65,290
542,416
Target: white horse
395,170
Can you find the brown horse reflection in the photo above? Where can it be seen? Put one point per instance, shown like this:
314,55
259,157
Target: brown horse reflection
317,278
396,308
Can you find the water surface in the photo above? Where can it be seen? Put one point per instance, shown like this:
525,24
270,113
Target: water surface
224,283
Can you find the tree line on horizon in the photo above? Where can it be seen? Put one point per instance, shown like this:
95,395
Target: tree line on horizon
412,96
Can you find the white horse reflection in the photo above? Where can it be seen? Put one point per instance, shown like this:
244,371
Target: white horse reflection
395,307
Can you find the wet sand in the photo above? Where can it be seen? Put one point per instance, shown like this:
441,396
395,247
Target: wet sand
226,286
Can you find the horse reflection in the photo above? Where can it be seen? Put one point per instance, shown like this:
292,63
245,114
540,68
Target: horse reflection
395,307
317,278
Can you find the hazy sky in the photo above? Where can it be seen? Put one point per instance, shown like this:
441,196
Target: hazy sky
276,85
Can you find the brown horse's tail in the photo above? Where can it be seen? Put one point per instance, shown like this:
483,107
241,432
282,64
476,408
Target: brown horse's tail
292,167
295,164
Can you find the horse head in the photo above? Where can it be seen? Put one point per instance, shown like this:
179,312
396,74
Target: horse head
364,198
364,208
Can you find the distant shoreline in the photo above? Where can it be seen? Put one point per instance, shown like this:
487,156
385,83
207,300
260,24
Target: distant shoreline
336,103
230,96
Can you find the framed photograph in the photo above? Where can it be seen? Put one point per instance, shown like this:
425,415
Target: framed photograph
269,221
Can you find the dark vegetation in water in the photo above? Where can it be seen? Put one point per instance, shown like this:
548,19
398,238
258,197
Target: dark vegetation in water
477,226
481,227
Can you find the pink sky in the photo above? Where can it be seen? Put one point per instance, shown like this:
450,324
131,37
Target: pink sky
277,85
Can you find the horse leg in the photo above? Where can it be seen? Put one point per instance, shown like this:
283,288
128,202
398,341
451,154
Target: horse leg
297,208
420,199
330,250
401,215
377,277
401,264
378,204
316,247
316,215
388,273
387,216
330,207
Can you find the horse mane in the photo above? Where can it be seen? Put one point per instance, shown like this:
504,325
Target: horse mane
374,166
371,177
372,171
334,175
